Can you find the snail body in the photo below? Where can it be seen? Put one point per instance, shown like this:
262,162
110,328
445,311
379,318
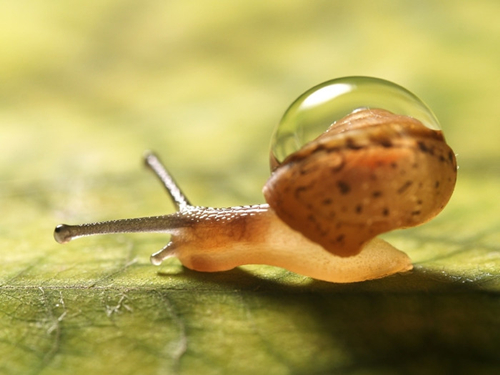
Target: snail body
255,235
210,239
372,171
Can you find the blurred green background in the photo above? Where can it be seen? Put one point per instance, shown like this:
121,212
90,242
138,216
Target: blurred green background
86,87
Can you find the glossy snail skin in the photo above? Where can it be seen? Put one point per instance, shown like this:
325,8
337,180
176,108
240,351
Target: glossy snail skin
328,197
218,239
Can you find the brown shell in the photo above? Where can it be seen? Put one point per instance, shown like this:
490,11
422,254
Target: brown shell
369,173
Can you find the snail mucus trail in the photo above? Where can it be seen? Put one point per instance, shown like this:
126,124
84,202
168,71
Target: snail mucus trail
371,172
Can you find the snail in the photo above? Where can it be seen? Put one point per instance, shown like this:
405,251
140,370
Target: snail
382,164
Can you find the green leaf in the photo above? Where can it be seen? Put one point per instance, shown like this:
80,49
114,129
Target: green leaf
86,88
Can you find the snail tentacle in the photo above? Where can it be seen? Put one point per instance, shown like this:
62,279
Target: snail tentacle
178,198
159,224
168,251
163,224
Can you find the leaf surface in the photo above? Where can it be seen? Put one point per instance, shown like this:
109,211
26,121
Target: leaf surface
86,89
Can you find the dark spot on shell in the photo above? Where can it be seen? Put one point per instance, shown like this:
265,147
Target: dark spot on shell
340,238
351,144
336,161
415,165
419,201
338,167
300,190
441,158
385,212
450,156
319,147
359,208
307,168
417,212
344,187
384,142
329,150
331,214
405,186
394,165
327,201
376,194
436,184
422,146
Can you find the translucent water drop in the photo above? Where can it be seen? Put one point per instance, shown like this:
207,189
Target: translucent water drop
315,110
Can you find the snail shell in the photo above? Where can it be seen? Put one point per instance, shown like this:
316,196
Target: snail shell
370,172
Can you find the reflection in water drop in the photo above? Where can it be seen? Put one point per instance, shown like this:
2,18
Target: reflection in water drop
324,94
315,110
